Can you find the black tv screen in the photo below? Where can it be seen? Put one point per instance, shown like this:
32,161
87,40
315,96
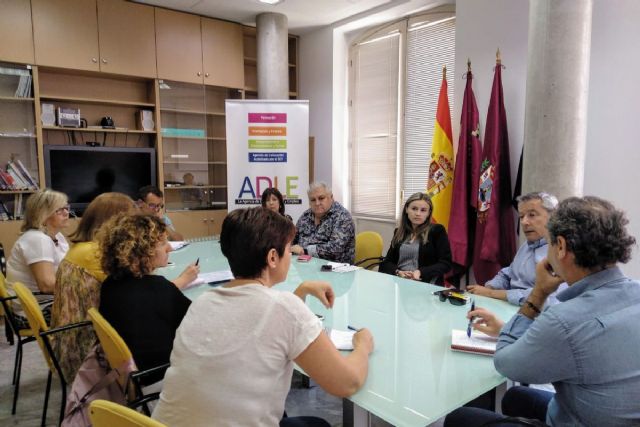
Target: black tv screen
82,173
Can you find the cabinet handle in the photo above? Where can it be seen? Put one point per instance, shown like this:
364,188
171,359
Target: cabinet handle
104,61
206,74
94,60
199,73
205,220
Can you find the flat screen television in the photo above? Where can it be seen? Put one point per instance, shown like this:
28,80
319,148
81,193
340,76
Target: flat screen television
82,173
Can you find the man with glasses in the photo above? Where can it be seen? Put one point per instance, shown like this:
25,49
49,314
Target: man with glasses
151,201
325,230
514,283
587,346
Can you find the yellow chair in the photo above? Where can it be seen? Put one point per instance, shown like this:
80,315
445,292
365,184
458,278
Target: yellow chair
369,247
42,332
22,336
109,414
119,357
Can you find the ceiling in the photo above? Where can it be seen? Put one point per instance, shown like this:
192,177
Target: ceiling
303,15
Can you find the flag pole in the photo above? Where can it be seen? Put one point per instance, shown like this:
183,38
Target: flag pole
469,65
444,72
498,59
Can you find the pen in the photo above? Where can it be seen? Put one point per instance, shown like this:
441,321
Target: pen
198,261
352,328
473,307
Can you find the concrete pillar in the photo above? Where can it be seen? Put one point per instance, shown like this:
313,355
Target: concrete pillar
273,56
555,128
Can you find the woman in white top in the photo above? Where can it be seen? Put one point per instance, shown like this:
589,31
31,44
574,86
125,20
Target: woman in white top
233,353
38,251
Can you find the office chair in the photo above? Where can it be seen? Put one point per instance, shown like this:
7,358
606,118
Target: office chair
119,355
369,247
42,332
109,414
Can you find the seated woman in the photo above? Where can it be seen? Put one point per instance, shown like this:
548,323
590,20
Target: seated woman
419,250
233,355
40,248
272,199
78,280
145,309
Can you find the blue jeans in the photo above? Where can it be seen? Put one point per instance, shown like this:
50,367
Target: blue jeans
517,402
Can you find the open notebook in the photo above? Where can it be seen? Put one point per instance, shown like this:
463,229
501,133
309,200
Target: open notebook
479,342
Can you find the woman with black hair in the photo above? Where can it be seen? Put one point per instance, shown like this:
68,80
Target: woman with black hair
272,199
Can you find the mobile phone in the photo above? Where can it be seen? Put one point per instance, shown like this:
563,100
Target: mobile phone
326,267
304,258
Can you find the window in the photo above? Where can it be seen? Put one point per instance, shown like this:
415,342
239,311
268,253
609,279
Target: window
391,115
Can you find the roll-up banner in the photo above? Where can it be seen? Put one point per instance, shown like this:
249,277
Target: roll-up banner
268,146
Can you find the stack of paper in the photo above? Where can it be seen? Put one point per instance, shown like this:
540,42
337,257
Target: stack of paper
479,342
178,245
212,277
342,267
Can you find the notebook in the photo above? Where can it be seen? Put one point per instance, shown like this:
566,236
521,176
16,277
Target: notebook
343,340
479,342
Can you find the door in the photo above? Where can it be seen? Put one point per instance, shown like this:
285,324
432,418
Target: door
65,33
222,53
178,46
127,38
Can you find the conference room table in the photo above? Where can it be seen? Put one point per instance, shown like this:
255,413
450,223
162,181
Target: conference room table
414,377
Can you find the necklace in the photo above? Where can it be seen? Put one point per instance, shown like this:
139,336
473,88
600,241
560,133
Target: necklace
261,282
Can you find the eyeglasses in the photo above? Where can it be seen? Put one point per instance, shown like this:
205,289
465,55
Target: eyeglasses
455,298
155,207
63,209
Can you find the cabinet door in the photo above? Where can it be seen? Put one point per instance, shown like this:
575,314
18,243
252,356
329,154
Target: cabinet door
65,33
222,53
127,38
191,224
16,32
178,46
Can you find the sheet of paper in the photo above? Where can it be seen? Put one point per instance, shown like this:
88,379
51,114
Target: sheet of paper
343,340
212,277
342,267
178,245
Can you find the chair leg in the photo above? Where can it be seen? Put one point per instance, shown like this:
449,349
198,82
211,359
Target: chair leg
64,400
46,400
17,369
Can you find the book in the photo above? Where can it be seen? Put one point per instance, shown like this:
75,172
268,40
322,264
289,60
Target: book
479,342
6,210
18,183
20,167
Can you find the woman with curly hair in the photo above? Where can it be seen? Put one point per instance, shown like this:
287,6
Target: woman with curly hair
145,309
419,250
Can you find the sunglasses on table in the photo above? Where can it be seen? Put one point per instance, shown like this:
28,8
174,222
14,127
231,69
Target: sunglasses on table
454,296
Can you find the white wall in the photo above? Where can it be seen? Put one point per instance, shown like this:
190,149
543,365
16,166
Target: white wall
612,165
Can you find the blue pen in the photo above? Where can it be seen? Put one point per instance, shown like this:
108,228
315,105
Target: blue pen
473,307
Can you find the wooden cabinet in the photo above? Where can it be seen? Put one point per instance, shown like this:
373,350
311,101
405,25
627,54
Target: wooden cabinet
195,224
198,50
127,38
65,33
16,31
222,53
112,36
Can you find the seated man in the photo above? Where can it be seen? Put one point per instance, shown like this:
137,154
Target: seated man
587,345
151,201
514,283
325,230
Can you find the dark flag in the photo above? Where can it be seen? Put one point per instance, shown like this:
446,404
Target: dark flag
462,223
495,243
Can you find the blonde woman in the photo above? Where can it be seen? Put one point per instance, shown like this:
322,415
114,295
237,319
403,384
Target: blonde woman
419,250
41,247
78,281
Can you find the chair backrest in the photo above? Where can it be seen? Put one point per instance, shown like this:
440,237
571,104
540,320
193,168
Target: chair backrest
35,317
114,347
3,293
368,245
109,414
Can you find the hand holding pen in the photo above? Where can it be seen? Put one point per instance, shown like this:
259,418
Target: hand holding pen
473,307
362,339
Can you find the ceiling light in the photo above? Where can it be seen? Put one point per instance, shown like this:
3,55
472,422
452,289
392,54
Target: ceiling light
271,2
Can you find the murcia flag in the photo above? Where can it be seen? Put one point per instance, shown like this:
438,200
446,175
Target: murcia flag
439,184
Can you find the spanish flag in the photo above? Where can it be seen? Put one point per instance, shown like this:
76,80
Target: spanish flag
439,184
